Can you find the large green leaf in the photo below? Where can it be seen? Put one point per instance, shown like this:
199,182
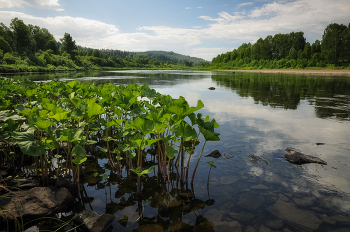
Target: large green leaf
170,151
142,142
199,106
94,109
185,131
71,135
28,144
60,116
79,151
209,135
43,124
144,125
137,140
144,172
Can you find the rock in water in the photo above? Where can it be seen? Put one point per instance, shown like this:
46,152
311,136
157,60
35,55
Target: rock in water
91,221
300,158
214,154
36,202
211,88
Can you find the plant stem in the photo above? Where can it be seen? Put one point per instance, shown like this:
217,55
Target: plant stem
195,169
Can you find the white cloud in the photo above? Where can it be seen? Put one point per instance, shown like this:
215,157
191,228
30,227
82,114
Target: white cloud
43,4
199,7
232,29
245,4
188,8
10,4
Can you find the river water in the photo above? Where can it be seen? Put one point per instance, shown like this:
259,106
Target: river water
253,188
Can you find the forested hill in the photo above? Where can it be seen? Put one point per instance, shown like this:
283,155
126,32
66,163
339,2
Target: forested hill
291,51
28,48
173,57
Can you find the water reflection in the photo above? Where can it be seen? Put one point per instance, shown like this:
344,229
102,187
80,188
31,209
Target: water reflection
253,188
330,96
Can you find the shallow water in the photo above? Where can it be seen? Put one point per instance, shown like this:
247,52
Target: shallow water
260,115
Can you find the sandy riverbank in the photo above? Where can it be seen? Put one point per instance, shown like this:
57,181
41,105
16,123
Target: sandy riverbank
298,71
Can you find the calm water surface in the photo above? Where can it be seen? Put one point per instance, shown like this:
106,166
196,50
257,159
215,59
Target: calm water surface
253,188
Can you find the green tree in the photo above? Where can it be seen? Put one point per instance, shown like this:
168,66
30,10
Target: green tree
4,45
346,44
41,36
52,45
7,34
96,53
23,39
332,42
68,45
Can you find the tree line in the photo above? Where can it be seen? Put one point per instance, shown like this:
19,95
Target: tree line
291,51
31,48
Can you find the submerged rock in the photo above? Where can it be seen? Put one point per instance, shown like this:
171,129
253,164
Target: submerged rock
36,202
214,215
22,183
149,228
214,154
204,226
300,158
233,226
251,201
290,214
180,226
91,221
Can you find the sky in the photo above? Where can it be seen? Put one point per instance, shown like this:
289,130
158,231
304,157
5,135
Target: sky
200,28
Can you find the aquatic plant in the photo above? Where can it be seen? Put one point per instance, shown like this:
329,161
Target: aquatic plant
58,123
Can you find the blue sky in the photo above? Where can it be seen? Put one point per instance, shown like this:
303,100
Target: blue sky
200,28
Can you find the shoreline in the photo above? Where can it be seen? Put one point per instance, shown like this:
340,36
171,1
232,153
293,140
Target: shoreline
341,72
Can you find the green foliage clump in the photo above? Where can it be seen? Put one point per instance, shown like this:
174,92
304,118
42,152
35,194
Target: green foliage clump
62,120
27,46
290,51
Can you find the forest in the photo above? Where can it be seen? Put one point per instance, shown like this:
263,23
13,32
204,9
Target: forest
291,51
29,48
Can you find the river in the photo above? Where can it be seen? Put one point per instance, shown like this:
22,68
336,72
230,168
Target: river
253,188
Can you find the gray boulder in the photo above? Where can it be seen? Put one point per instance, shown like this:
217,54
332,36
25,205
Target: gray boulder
300,158
91,221
36,202
290,214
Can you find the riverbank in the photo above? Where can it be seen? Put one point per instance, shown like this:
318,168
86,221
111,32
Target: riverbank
298,71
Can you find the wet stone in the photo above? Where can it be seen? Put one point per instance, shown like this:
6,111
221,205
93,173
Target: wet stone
149,228
250,229
214,215
227,226
289,213
36,202
243,216
340,218
275,224
263,228
341,230
283,197
251,201
91,221
328,220
203,227
305,201
259,186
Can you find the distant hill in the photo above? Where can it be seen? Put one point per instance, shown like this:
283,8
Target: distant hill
172,57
